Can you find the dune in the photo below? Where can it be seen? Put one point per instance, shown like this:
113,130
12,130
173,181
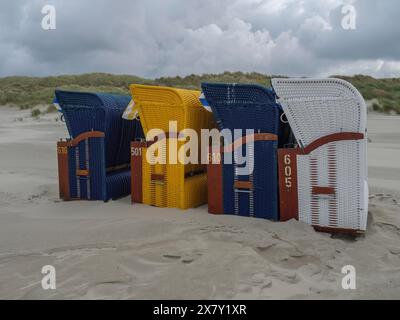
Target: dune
118,251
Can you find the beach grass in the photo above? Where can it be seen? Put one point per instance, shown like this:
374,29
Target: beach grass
29,92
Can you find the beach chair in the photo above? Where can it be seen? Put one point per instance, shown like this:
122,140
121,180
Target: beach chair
242,106
324,181
94,162
168,184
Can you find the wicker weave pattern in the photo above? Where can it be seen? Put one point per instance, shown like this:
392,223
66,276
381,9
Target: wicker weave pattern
237,106
85,112
157,106
316,108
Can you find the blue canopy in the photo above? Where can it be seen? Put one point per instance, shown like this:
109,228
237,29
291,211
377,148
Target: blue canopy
85,111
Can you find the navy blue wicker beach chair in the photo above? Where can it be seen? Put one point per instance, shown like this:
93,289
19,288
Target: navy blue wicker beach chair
94,163
240,106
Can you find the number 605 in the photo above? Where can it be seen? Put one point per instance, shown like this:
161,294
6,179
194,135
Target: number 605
288,171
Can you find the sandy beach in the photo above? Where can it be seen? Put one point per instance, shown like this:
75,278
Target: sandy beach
118,251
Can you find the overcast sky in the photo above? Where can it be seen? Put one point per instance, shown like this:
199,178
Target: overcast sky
178,37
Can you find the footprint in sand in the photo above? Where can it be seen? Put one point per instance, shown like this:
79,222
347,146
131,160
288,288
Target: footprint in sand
286,257
172,256
185,258
388,227
108,290
260,279
384,198
394,251
285,276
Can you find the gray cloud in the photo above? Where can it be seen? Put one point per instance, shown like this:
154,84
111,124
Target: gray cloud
178,37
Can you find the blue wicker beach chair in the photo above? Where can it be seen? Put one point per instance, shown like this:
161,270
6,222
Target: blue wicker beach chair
94,163
240,106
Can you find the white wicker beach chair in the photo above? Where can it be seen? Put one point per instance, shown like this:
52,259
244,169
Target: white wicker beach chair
328,119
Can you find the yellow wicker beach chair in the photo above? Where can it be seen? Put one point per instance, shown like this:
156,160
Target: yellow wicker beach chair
170,185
